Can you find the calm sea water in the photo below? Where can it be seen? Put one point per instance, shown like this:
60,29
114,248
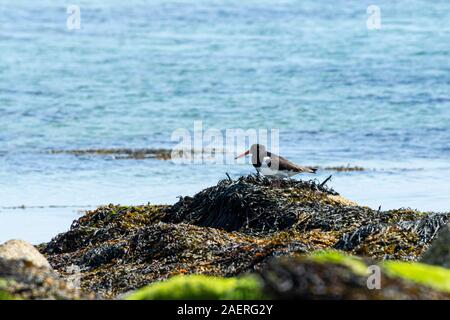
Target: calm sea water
137,70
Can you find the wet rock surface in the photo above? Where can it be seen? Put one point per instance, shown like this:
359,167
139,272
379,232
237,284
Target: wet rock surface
22,250
233,228
21,279
140,154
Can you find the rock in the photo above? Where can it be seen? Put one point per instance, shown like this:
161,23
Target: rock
439,251
21,279
22,250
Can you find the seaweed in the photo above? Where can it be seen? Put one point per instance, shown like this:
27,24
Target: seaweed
404,239
439,251
249,204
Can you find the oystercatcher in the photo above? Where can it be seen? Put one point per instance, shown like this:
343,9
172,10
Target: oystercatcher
270,164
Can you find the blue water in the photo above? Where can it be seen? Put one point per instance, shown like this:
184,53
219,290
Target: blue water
137,70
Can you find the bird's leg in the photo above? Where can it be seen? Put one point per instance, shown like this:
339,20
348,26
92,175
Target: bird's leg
276,182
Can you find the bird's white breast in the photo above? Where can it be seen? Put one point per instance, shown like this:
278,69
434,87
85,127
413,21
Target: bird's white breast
265,170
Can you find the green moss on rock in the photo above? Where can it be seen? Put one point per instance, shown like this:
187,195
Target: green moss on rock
427,275
432,276
198,287
232,228
356,264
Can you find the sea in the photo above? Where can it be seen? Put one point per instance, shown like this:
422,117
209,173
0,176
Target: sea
343,83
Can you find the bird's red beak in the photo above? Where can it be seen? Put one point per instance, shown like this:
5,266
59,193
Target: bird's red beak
243,154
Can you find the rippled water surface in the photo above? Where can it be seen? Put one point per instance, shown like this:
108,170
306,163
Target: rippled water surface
137,70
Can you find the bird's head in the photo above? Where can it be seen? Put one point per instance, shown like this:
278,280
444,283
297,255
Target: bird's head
254,150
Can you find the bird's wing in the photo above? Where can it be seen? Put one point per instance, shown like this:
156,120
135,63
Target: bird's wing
285,164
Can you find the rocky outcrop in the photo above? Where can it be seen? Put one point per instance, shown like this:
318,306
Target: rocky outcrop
439,251
230,229
22,250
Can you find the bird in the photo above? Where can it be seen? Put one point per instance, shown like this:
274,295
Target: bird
270,164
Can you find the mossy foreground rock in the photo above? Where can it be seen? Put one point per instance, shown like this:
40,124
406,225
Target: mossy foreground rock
22,250
21,279
230,229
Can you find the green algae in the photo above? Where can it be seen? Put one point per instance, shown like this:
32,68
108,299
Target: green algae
4,295
200,287
432,276
126,217
356,264
331,275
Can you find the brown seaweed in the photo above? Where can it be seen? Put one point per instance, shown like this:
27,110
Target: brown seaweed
234,227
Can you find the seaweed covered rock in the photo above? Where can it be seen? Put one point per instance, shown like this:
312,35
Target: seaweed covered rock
259,205
252,204
231,229
161,250
322,275
199,287
21,279
332,275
